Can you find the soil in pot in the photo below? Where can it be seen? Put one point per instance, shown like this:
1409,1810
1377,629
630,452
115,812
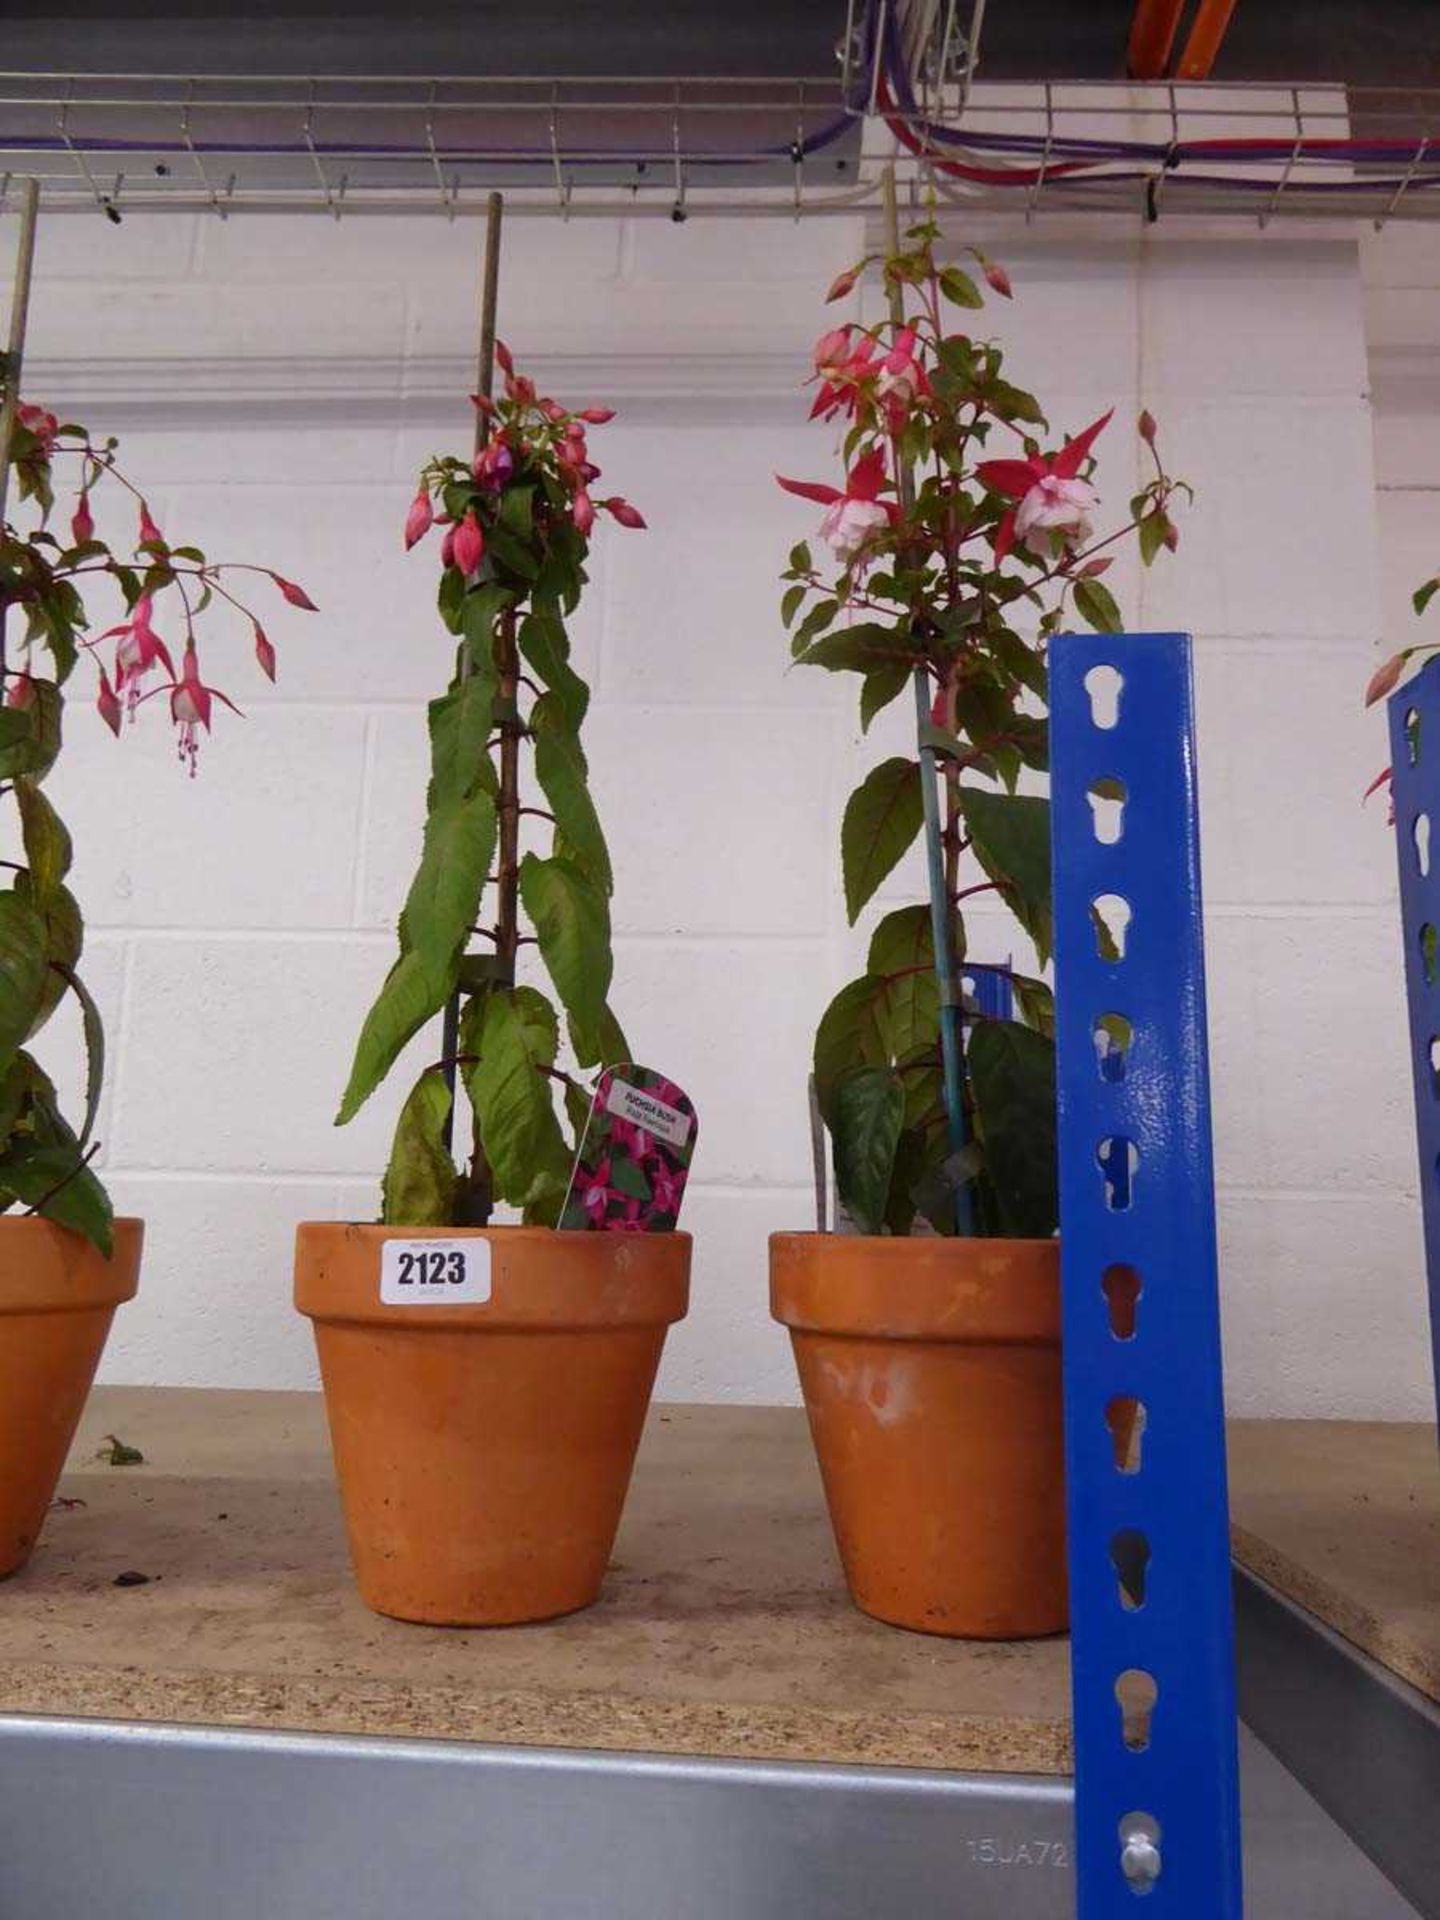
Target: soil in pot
58,1296
484,1449
931,1375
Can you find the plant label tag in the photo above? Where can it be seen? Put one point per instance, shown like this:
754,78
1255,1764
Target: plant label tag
634,1155
435,1273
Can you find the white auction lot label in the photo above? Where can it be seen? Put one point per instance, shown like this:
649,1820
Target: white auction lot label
435,1273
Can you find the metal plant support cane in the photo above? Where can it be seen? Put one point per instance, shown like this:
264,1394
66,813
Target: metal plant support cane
1415,787
952,1034
1156,1806
15,358
484,385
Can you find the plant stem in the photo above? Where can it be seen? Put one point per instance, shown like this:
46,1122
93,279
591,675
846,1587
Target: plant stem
951,1030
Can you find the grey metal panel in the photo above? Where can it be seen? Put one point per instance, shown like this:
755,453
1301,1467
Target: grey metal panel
100,1821
1362,1742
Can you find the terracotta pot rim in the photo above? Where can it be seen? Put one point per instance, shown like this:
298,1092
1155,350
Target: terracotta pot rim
543,1280
45,1268
931,1288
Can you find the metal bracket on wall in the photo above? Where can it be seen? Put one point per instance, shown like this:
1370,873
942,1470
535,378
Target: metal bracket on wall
1415,788
1157,1808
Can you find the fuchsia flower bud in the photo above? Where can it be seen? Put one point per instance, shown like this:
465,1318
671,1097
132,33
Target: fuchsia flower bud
264,652
1145,426
842,284
419,520
447,548
622,511
297,596
998,278
503,359
82,526
108,703
21,691
149,534
582,510
596,416
468,548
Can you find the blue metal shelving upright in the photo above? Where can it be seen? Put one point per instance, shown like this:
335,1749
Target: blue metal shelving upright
1156,1808
1415,786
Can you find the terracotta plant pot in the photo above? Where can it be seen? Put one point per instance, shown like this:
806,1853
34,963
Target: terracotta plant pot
484,1451
931,1375
57,1299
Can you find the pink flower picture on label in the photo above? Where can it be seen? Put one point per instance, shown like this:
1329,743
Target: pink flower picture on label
634,1157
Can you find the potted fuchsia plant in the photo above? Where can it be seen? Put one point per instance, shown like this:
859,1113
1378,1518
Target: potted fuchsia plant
960,539
486,1384
65,1262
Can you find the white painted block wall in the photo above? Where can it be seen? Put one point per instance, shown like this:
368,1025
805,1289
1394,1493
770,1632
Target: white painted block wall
276,384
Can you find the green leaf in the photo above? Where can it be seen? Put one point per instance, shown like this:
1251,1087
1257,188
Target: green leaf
790,603
515,1037
1152,536
35,753
960,288
1012,1073
94,1030
118,1453
882,685
64,939
445,894
1097,605
1422,596
1010,835
409,997
14,726
902,950
869,1111
883,1017
460,722
605,1046
815,622
882,818
543,646
860,649
561,772
23,970
572,922
54,1181
47,843
800,557
420,1181
480,610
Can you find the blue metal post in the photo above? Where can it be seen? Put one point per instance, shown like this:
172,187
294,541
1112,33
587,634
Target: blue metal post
1415,784
1156,1807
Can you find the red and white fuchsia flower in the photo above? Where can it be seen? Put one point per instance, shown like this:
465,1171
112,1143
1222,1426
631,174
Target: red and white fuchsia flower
857,513
190,705
1052,500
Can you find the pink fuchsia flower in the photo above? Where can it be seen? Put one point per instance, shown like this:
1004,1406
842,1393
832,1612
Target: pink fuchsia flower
902,378
21,690
632,1140
43,425
595,1194
297,596
108,704
840,369
468,545
667,1187
138,649
494,465
447,548
419,520
855,514
264,652
1051,498
582,510
622,511
190,705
